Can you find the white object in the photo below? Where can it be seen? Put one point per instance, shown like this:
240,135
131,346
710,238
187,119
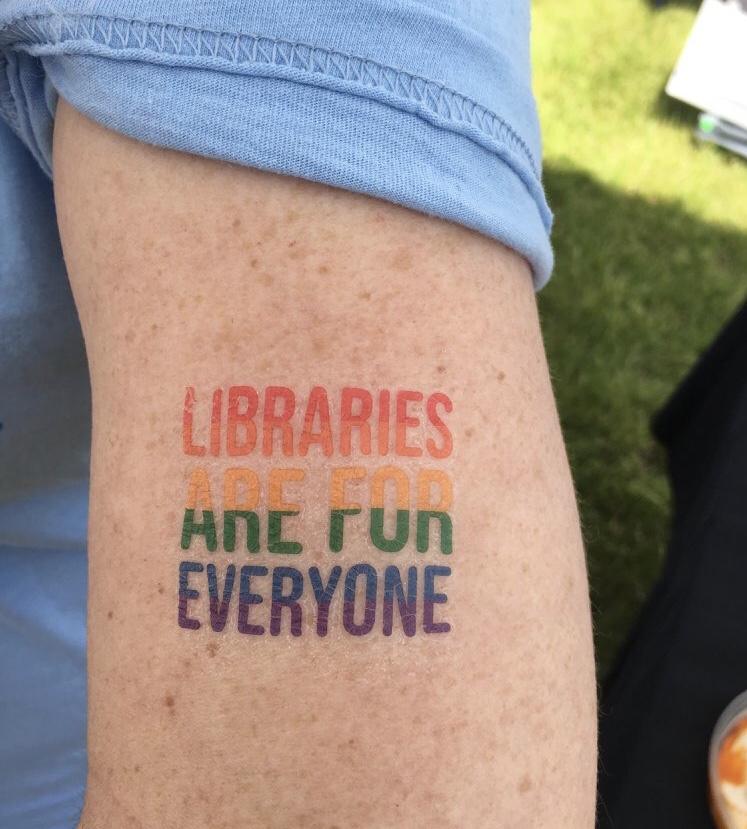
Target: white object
711,72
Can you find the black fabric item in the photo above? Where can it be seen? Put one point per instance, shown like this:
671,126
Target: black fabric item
687,657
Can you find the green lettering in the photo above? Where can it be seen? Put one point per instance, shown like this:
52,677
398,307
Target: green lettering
275,542
423,528
402,532
207,528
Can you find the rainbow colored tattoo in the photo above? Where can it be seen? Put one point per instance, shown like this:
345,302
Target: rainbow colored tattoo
247,567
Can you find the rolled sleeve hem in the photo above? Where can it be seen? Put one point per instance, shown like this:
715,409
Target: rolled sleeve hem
290,108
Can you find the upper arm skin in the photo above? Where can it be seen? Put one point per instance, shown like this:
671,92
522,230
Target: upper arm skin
190,273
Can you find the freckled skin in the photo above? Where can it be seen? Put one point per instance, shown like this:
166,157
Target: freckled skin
302,284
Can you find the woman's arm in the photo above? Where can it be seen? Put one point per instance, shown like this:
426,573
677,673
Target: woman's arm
296,390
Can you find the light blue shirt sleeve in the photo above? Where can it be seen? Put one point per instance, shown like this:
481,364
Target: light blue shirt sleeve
424,103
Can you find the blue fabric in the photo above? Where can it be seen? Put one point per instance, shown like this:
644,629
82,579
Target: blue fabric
44,448
43,765
426,103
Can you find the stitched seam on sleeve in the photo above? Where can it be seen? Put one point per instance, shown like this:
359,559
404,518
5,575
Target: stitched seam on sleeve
233,49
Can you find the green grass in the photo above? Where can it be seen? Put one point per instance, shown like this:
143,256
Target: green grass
651,259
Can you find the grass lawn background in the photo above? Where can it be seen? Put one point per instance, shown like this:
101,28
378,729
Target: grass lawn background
650,239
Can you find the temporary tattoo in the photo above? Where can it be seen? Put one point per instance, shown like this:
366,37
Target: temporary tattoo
248,567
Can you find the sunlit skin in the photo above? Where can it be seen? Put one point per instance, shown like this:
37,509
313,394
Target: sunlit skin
193,274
